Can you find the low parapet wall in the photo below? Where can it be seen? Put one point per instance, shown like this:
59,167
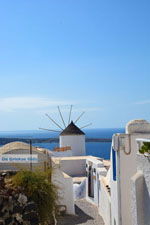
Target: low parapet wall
64,183
74,166
141,192
104,202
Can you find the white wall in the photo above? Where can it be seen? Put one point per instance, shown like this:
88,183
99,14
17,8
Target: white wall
65,189
77,143
101,196
128,167
104,203
141,192
62,154
137,201
100,170
73,166
121,189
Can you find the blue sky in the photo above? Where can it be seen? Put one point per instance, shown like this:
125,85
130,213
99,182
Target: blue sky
94,54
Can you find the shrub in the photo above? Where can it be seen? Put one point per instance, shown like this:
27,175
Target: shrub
145,148
38,188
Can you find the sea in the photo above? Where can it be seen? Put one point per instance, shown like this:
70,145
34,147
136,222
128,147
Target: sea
98,149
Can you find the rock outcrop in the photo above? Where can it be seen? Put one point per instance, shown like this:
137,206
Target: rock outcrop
15,207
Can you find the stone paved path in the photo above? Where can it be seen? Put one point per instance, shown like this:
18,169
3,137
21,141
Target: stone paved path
86,214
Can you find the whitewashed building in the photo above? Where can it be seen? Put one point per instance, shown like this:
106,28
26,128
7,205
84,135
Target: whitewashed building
122,195
74,138
22,148
123,167
67,172
98,186
94,170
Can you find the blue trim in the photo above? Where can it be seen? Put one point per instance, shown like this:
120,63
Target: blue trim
114,164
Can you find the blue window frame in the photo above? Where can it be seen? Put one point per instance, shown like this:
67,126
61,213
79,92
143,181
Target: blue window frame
114,164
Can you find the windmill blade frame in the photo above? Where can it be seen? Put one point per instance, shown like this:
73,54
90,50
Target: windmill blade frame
61,116
70,114
79,117
49,129
86,125
54,121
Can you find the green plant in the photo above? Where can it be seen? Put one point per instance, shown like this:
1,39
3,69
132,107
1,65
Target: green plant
145,148
38,188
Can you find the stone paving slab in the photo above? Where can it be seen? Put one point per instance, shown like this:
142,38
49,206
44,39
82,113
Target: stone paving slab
86,214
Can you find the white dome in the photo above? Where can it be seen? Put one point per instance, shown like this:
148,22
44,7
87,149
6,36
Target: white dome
138,126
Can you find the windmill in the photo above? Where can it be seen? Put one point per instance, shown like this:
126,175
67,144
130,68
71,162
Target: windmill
70,134
63,121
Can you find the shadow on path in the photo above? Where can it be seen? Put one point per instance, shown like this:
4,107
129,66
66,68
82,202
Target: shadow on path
86,214
80,218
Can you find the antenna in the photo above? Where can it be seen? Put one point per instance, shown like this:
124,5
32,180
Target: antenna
79,117
86,125
54,122
48,129
70,114
61,116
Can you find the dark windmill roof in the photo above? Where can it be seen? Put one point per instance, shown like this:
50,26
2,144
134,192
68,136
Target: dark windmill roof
72,129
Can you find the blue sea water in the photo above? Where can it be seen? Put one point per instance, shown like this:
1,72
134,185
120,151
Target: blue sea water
99,149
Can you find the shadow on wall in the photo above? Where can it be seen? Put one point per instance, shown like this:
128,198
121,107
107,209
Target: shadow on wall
146,205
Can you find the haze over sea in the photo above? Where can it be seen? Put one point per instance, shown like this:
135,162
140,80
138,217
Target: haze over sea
99,149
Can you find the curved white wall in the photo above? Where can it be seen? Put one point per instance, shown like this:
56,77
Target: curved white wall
77,143
65,189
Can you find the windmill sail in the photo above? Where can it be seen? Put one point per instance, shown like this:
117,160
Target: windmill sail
61,117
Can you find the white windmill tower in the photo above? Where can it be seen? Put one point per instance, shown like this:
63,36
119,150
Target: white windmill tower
74,137
71,136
